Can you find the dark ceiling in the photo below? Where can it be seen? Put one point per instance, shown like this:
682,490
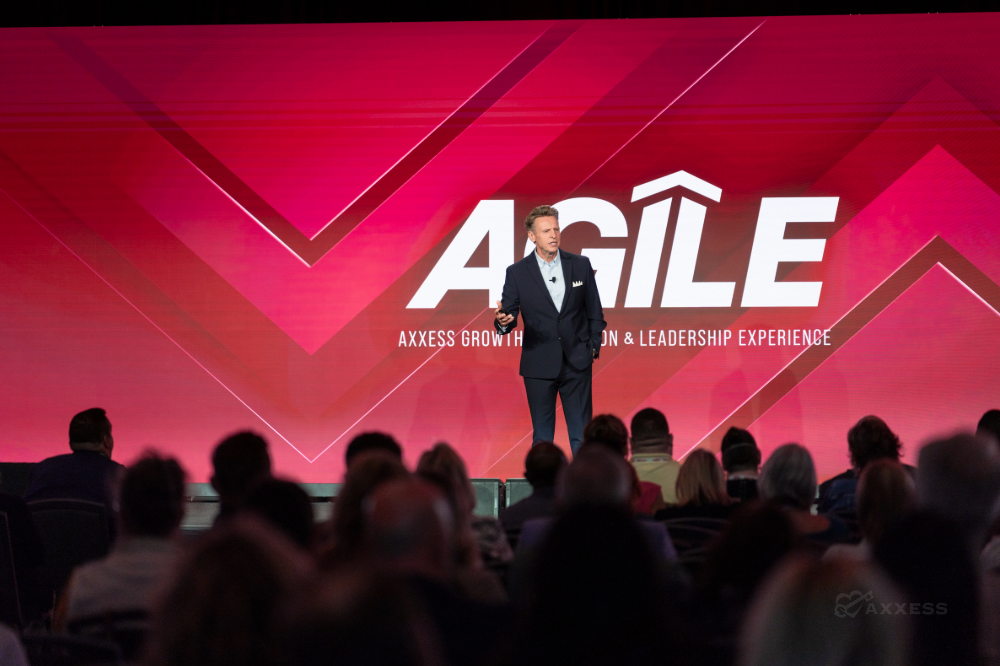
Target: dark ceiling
17,13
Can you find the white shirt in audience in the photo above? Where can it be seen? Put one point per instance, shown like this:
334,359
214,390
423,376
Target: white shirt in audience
125,580
11,650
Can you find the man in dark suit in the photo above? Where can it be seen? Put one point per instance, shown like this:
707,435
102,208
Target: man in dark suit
556,295
88,473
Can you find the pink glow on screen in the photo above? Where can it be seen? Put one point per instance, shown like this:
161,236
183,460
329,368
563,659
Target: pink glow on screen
209,229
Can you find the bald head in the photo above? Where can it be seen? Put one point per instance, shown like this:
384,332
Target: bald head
409,527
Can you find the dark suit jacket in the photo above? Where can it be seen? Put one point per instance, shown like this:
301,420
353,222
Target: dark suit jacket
574,331
83,475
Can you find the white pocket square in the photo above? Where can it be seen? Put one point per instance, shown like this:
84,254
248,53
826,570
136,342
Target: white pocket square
578,284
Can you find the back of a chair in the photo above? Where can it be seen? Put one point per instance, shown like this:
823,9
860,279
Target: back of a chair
65,650
73,532
10,601
692,534
125,628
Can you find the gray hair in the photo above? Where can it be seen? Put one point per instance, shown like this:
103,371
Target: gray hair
960,478
789,475
817,612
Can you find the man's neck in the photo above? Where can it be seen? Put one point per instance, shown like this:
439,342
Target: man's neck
547,257
743,474
652,451
102,451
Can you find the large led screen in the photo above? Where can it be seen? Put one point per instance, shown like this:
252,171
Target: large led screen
302,229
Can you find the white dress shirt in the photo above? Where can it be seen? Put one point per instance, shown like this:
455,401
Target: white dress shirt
550,270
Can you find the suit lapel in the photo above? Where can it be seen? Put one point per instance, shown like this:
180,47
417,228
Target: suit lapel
537,274
567,271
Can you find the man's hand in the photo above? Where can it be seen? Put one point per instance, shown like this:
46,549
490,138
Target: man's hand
597,354
503,319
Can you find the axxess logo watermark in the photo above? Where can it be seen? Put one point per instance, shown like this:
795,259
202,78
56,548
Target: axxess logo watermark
853,603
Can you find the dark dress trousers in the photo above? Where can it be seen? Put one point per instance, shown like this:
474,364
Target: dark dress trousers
559,346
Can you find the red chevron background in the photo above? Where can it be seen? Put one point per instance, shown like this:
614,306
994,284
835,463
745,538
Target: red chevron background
213,228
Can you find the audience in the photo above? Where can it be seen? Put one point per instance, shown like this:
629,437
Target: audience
701,491
490,539
27,554
223,604
11,650
812,613
598,477
151,497
788,478
88,473
608,430
469,577
652,452
542,466
869,439
240,462
598,595
409,534
960,479
989,425
397,575
741,460
927,556
757,538
372,441
362,618
885,495
286,506
346,528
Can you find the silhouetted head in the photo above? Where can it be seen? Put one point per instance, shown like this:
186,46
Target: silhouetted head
739,451
90,430
240,461
597,477
756,538
960,478
372,441
362,617
651,433
885,494
789,477
409,528
794,618
596,595
543,464
609,430
442,460
286,506
989,425
929,557
871,439
151,497
700,481
347,525
223,603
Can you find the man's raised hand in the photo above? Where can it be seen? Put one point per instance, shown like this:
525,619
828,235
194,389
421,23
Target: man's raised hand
503,318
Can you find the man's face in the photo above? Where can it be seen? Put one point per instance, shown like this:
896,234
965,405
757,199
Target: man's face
545,235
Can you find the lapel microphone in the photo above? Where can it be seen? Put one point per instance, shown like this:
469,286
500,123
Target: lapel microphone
552,279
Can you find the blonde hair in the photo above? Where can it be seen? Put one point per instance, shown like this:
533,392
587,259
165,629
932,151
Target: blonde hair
537,212
700,482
